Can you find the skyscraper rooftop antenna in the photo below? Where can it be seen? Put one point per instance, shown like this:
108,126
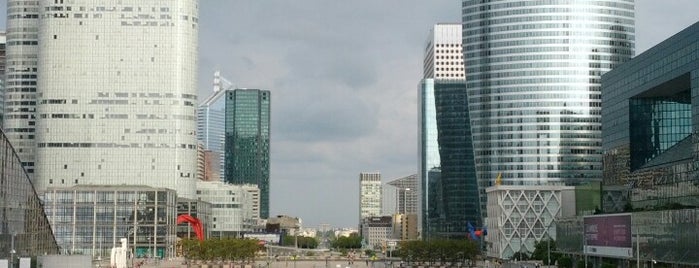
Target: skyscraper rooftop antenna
220,82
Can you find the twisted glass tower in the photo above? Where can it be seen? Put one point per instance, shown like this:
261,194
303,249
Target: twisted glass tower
533,79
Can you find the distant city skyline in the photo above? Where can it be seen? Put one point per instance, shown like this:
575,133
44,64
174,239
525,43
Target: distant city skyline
344,88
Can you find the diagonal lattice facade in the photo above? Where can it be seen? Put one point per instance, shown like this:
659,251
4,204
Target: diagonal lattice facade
526,215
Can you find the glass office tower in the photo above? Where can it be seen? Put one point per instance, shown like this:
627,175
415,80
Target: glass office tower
651,152
533,78
247,141
449,188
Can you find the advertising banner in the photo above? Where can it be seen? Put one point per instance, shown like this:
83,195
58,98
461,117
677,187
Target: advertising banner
608,235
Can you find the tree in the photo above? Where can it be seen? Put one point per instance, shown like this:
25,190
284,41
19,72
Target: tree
438,250
354,241
229,249
541,250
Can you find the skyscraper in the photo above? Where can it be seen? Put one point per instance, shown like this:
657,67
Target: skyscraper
211,126
447,181
533,79
247,126
369,195
19,121
116,95
3,53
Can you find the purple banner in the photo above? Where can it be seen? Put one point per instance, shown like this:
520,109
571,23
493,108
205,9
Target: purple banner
608,230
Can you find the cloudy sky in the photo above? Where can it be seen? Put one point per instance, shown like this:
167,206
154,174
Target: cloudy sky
343,76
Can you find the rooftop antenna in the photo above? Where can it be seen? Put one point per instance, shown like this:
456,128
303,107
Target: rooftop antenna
220,82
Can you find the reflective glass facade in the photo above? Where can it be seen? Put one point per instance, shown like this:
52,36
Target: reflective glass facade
650,122
247,125
21,212
533,77
667,236
650,126
211,127
90,220
450,193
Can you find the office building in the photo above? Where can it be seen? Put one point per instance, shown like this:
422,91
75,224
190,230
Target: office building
443,54
23,222
447,184
533,80
3,63
376,230
369,195
117,114
405,227
234,208
211,124
22,48
527,216
195,208
91,219
247,147
405,194
650,120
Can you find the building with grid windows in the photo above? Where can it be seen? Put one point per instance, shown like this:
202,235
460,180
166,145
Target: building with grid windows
91,220
111,114
443,55
247,147
369,195
650,123
22,48
234,208
533,81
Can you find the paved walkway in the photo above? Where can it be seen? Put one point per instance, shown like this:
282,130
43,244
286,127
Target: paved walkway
295,264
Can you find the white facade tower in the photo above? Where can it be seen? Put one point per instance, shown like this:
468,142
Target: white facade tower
117,94
369,195
443,56
19,122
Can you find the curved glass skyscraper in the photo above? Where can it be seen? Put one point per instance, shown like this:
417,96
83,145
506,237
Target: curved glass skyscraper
533,78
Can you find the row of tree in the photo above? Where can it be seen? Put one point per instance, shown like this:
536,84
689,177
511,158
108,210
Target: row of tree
438,250
229,249
301,241
354,241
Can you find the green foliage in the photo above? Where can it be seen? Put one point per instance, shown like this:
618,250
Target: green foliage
565,262
369,253
228,249
541,251
438,250
354,241
303,241
521,256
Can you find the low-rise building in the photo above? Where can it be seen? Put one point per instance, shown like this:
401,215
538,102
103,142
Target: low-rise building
232,207
90,219
376,231
522,215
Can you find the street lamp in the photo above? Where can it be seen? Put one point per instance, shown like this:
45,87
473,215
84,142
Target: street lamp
405,200
548,240
12,251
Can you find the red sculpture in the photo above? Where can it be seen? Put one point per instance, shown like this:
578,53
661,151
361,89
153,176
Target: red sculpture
194,222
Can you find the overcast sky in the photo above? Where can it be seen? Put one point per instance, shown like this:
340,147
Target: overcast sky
343,77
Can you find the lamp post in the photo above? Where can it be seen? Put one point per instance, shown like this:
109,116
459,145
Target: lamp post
548,240
12,250
405,200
